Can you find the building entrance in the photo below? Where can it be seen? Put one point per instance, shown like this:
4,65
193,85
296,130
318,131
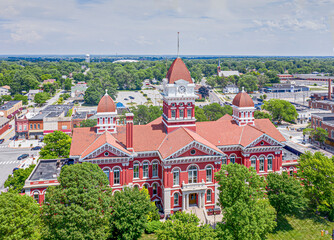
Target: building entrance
192,198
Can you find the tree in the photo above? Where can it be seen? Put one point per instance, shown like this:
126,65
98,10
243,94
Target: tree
130,211
319,134
281,110
19,97
143,114
249,82
41,98
57,145
246,212
262,115
200,114
68,84
212,112
19,217
15,182
184,226
285,193
204,91
88,123
79,207
317,174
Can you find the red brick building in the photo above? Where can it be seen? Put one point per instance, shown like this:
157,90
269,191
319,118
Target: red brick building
174,156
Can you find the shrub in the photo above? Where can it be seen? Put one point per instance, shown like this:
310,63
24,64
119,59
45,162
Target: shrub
152,227
145,95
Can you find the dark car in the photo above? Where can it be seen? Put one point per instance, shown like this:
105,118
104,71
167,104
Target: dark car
23,156
2,140
131,97
36,148
126,99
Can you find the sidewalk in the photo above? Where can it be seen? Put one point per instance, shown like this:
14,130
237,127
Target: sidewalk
25,143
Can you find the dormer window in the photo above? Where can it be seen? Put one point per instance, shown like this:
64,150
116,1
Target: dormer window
189,104
173,104
181,104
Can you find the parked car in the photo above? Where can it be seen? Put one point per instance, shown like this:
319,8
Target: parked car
23,156
131,97
36,148
126,99
15,169
2,140
14,138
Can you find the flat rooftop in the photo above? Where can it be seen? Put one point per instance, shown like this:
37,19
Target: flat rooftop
47,169
9,105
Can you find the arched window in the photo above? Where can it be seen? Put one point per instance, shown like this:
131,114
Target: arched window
36,196
117,176
176,177
270,163
107,172
145,169
155,189
232,159
155,169
176,199
146,185
136,170
136,187
253,162
192,175
209,195
261,168
224,160
209,174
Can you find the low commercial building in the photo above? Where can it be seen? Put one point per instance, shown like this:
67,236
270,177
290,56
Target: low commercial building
32,93
322,104
4,125
22,127
281,88
324,121
232,88
11,108
78,91
4,90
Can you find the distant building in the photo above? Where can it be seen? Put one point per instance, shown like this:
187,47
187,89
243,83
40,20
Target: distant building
282,88
232,88
49,81
285,77
324,121
322,104
11,108
22,127
32,93
4,90
312,77
78,90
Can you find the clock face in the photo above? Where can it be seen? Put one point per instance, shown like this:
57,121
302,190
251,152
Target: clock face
182,89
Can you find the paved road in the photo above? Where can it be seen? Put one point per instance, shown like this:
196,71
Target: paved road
214,98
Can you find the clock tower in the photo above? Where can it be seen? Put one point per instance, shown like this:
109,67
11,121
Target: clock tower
178,98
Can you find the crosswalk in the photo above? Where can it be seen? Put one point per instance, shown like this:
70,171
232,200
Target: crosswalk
10,162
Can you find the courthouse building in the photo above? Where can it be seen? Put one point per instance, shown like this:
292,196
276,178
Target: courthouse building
174,156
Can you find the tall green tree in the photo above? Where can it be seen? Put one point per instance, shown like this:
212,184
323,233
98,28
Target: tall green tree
185,226
19,217
246,212
281,110
143,114
88,123
317,174
19,97
41,98
130,211
249,82
262,115
15,182
79,207
286,194
319,134
57,145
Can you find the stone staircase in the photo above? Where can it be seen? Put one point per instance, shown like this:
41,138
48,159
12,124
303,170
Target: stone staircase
199,212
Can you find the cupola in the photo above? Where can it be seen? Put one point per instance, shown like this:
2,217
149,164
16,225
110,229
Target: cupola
106,115
243,109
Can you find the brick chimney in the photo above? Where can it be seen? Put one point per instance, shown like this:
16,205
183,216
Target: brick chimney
129,131
329,89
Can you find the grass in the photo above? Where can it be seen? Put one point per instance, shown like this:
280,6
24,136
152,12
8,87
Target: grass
307,227
292,228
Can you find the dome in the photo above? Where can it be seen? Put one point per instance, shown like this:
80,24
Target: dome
243,100
178,70
106,104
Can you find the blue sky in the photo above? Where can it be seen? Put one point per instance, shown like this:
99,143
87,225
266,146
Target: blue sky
207,27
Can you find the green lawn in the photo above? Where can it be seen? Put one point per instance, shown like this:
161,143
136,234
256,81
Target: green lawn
292,228
305,228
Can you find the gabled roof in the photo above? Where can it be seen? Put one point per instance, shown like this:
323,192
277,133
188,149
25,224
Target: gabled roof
178,70
104,138
180,138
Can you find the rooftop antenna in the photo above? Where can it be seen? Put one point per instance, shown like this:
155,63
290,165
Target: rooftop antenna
178,43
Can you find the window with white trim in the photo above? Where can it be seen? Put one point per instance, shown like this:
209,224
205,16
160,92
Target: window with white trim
36,197
117,176
176,177
145,169
224,160
155,169
209,195
136,170
209,174
253,162
176,199
155,189
192,175
188,113
261,167
232,159
107,172
173,113
181,113
270,163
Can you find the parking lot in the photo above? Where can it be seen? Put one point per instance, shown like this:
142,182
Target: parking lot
128,97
